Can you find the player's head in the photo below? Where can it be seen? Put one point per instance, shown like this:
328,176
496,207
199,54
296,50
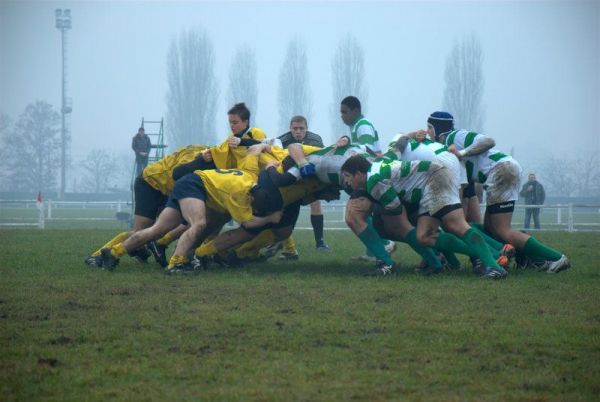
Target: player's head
350,110
439,124
531,177
265,196
141,130
354,171
239,117
298,127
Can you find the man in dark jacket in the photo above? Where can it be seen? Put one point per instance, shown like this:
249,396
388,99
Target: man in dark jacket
141,146
299,134
534,194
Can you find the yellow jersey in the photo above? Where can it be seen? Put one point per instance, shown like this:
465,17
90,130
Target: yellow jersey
228,190
159,174
226,158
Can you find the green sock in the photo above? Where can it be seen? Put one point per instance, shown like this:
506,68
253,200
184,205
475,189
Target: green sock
449,242
477,244
374,243
451,259
427,253
494,244
535,248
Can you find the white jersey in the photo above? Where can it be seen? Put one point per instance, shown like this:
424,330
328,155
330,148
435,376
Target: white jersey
328,162
428,184
428,150
393,181
478,166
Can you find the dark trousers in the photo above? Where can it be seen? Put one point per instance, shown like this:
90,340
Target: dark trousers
535,212
140,165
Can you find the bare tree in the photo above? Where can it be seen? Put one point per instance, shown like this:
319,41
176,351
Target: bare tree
192,94
5,134
559,176
35,148
347,72
99,168
242,80
464,84
294,91
586,171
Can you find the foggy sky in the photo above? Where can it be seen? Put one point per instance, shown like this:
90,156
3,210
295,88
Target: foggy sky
541,64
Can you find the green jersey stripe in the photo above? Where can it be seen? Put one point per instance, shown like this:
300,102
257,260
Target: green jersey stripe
423,166
469,138
496,156
416,195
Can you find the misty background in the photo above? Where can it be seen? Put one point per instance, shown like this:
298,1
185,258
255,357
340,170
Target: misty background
525,73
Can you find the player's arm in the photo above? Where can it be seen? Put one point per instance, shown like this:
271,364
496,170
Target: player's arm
279,179
200,163
258,221
480,144
248,142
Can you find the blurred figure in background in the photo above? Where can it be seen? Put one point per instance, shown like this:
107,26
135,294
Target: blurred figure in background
534,194
141,146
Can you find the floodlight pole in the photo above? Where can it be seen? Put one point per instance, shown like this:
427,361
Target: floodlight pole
63,23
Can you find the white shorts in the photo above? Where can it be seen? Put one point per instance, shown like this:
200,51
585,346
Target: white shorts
503,182
459,172
440,191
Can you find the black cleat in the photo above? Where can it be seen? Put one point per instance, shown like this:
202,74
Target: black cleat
201,263
181,269
109,261
94,261
478,268
495,273
141,254
159,252
383,270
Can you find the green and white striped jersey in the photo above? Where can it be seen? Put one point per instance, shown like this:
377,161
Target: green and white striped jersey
414,150
328,162
478,166
391,182
363,132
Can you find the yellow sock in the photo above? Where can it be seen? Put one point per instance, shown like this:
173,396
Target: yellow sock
115,240
251,248
177,259
206,248
165,240
289,246
118,250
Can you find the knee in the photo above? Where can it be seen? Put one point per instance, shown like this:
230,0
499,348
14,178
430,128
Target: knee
197,228
355,221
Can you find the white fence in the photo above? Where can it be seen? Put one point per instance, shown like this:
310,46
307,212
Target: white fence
26,213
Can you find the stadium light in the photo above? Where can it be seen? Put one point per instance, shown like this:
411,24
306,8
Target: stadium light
63,23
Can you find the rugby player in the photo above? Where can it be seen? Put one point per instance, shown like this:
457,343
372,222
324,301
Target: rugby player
206,199
500,175
431,185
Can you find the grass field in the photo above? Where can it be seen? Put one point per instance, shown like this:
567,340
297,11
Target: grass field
307,330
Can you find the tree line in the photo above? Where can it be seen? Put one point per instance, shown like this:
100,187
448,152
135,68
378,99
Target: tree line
32,143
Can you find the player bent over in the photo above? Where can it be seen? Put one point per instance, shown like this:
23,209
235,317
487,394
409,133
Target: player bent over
205,199
500,175
432,186
151,190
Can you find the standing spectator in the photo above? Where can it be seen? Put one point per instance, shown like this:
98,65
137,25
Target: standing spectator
534,194
141,146
299,134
